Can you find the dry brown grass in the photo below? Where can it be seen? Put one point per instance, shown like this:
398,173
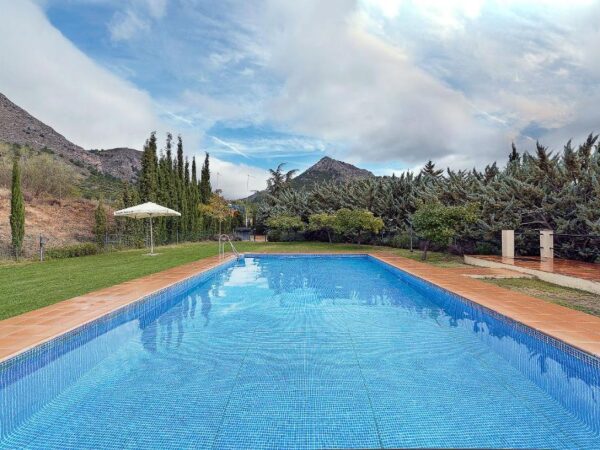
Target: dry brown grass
63,222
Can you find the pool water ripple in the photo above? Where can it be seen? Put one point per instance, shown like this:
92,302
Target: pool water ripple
302,352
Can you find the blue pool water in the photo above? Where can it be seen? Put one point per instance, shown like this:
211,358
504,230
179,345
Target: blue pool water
301,352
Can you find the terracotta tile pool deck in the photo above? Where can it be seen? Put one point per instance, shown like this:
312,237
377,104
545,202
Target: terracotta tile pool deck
567,267
20,333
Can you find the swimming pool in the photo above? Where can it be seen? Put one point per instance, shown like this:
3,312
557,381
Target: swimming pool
301,352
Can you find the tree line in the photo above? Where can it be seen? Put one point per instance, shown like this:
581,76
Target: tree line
167,177
538,190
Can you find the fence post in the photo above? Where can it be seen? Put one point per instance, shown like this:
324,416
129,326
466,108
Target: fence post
546,244
42,242
508,244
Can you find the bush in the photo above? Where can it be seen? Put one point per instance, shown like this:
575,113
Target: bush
356,225
403,241
438,224
274,236
486,248
72,251
284,228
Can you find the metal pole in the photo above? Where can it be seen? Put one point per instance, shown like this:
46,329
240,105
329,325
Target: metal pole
151,238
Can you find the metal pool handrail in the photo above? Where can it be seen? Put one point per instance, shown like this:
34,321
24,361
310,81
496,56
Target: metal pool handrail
225,238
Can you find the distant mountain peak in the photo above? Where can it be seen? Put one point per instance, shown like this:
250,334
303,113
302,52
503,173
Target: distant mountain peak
326,169
329,169
343,168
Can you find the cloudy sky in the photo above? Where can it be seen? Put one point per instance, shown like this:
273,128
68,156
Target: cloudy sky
384,84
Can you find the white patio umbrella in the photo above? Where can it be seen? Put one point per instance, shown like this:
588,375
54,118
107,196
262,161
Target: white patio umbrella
147,210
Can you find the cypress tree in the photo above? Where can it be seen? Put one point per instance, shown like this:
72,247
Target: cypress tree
126,195
194,201
100,227
149,175
17,210
194,174
186,174
169,153
161,224
180,164
136,227
514,154
183,209
205,188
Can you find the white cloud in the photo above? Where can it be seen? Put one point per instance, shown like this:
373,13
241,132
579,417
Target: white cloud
450,80
125,25
135,17
233,179
346,85
47,75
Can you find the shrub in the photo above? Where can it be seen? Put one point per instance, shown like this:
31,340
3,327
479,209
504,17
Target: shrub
355,224
284,227
403,241
72,251
322,222
438,224
274,236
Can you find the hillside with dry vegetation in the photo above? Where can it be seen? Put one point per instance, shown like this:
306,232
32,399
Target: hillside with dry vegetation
62,222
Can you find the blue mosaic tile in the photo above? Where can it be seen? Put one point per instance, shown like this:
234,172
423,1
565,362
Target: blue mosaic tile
301,352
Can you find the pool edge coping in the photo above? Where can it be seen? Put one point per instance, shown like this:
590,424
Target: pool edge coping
530,325
212,263
117,307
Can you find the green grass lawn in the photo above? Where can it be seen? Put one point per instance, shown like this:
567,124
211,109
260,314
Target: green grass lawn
571,298
30,285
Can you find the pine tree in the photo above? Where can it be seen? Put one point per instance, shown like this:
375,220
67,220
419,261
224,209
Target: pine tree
17,210
205,188
543,158
571,162
100,227
430,170
490,172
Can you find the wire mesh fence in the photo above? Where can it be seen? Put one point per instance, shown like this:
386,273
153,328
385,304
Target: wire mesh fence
42,247
584,247
527,243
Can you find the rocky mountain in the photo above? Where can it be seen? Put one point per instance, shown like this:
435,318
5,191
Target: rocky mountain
17,126
123,162
329,169
326,169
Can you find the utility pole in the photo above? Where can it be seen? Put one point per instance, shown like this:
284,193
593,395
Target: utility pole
248,191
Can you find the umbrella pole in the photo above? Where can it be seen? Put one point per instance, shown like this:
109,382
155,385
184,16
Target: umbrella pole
151,238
